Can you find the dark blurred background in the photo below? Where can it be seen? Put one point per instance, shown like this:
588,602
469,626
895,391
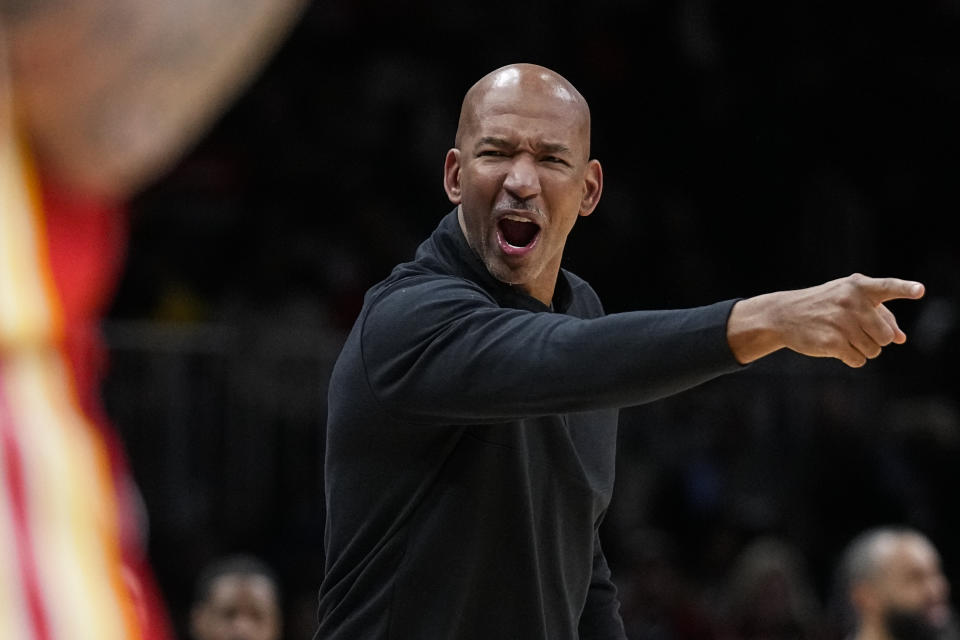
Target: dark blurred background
747,147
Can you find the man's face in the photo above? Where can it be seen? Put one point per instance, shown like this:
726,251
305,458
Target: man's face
240,607
912,591
522,176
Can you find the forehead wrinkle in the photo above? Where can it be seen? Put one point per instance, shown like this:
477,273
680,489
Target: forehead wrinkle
537,145
495,117
514,81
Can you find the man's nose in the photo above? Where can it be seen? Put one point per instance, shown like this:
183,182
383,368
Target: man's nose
522,180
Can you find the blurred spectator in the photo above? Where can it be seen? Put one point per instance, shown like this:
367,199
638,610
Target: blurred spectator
237,598
892,588
769,595
658,599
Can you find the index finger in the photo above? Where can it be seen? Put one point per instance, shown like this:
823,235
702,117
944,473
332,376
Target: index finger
883,289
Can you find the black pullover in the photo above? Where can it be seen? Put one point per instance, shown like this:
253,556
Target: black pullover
471,445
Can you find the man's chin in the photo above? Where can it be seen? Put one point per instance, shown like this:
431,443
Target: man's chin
515,275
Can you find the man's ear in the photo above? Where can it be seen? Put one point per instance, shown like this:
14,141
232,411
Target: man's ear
451,176
592,187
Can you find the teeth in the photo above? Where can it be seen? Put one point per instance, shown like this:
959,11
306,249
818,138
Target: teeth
510,216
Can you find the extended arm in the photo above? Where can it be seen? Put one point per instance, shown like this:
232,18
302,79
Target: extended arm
113,91
445,352
844,319
442,351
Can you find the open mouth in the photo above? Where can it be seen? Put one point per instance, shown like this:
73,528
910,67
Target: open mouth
516,234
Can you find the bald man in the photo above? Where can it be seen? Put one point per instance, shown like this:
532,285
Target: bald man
473,410
896,587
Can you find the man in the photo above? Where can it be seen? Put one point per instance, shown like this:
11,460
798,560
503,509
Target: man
894,584
473,410
97,99
237,598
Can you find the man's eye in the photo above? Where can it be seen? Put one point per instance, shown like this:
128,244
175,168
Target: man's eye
491,152
554,159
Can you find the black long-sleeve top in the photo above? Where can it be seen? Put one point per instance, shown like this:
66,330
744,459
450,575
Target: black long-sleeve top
471,441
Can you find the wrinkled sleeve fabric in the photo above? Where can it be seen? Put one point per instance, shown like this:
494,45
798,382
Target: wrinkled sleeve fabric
441,350
601,619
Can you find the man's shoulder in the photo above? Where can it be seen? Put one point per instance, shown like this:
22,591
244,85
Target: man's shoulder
584,301
577,284
410,286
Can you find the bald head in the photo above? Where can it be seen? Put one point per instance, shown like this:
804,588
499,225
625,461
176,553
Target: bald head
523,86
869,554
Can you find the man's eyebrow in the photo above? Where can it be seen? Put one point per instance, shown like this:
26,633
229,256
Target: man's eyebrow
544,147
553,147
493,141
